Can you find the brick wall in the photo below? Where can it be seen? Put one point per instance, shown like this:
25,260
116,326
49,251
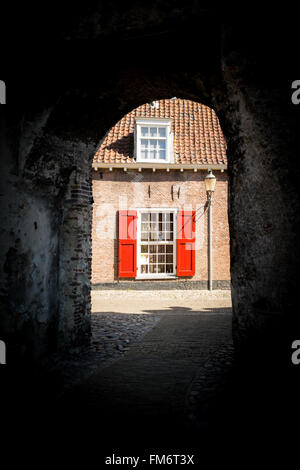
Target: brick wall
75,256
116,189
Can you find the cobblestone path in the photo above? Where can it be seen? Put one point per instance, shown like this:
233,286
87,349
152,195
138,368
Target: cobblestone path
147,389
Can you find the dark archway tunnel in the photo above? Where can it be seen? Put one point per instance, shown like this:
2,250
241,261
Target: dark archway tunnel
54,121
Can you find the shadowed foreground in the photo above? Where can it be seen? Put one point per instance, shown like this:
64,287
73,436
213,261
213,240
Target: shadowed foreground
148,386
180,389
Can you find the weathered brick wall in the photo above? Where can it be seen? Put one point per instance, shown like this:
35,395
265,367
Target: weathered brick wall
262,137
46,243
75,257
115,190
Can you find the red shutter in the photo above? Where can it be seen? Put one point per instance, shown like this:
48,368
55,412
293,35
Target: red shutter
186,243
127,243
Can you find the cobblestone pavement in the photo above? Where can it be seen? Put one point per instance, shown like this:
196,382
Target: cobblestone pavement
112,336
209,386
119,320
147,367
157,380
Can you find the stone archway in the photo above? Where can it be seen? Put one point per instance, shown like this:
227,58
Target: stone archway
46,243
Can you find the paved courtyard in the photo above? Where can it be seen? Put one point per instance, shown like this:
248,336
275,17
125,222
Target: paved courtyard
161,377
150,357
158,301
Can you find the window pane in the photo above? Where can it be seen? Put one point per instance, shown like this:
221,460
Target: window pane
154,226
145,216
144,131
153,248
169,268
144,154
144,143
153,259
144,248
161,268
162,144
153,131
152,143
144,236
152,154
153,216
161,236
162,132
144,268
169,259
169,248
154,236
161,259
160,226
161,248
162,154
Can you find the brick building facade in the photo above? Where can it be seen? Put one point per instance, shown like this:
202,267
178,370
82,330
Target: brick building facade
150,214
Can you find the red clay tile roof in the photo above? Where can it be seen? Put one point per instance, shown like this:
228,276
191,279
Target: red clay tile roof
198,138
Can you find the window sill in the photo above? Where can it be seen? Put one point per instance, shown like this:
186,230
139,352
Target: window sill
156,276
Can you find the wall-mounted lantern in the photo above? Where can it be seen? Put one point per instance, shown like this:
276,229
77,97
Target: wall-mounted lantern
210,184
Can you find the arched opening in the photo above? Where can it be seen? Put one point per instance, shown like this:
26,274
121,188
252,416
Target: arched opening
141,204
51,170
62,157
75,254
140,173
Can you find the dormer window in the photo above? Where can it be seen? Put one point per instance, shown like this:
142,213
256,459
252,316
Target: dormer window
153,140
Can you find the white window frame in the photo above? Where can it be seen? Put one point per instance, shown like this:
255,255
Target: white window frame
155,122
173,275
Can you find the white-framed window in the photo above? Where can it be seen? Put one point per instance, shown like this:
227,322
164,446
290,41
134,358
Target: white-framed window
153,140
156,243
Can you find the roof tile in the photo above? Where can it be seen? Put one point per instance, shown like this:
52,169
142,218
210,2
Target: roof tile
198,137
